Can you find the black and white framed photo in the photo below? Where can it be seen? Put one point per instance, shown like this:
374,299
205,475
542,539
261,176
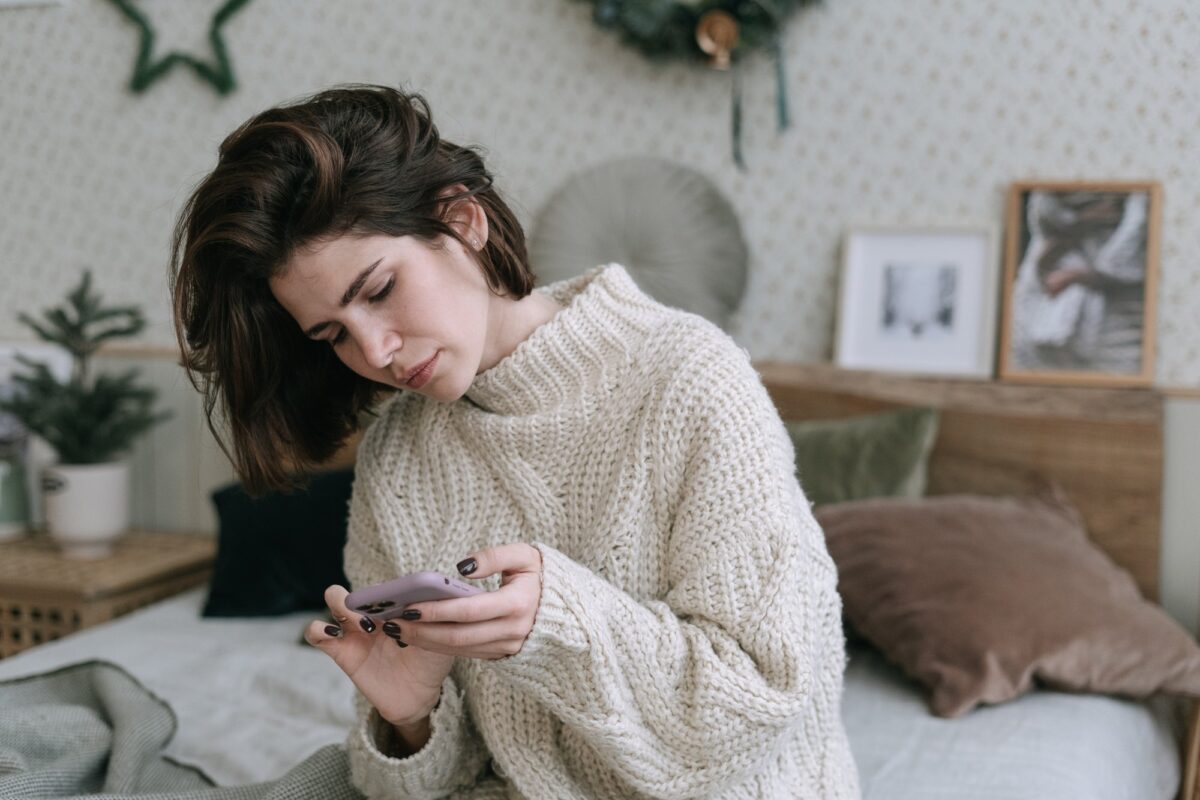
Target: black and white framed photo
1080,276
918,300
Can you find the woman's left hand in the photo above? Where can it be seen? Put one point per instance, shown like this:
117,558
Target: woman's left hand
490,625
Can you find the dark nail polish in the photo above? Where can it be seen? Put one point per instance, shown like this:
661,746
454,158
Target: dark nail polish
411,614
391,628
397,641
333,630
466,566
367,624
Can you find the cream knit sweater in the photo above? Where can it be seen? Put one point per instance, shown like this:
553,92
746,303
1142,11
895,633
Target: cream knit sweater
688,642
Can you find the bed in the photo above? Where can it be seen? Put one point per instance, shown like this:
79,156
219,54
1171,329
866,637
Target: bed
252,701
1104,447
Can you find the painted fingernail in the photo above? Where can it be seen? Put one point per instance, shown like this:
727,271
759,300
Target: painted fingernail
333,630
397,641
367,624
391,629
410,614
466,566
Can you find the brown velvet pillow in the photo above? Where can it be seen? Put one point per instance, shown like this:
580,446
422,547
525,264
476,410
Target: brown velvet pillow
978,597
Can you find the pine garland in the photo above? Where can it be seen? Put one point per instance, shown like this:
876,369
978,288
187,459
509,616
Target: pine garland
666,29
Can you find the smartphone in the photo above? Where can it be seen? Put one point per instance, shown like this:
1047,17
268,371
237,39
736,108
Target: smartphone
386,600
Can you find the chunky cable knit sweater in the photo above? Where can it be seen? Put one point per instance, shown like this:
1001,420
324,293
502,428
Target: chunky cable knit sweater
688,641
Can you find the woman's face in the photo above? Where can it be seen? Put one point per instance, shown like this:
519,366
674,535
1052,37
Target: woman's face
387,305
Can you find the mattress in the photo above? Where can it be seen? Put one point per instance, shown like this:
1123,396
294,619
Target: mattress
252,702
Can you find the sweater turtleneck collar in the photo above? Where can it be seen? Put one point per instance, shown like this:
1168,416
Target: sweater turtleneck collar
601,327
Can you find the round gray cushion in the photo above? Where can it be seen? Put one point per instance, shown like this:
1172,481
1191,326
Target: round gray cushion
667,224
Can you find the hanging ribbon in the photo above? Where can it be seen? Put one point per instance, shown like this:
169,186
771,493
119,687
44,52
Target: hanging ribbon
737,115
781,104
780,83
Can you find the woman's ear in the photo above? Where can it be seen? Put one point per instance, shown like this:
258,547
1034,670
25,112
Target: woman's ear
466,216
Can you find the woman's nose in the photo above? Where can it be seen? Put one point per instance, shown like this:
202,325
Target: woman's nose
379,348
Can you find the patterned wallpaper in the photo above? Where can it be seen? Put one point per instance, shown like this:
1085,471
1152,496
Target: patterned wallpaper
916,112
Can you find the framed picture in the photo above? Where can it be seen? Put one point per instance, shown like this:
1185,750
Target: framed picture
921,301
1080,283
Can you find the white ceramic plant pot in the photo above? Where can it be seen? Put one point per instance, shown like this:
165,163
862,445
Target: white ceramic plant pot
87,506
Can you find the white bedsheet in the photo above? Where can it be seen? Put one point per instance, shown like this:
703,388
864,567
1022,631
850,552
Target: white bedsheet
1043,746
252,703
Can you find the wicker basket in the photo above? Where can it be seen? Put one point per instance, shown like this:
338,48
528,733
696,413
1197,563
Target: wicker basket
44,596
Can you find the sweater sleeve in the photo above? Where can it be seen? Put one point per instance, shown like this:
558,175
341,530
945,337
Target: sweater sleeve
691,692
455,756
1122,257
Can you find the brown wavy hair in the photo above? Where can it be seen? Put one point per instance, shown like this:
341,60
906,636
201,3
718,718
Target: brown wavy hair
354,159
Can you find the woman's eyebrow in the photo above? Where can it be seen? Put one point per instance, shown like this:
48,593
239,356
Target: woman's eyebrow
354,289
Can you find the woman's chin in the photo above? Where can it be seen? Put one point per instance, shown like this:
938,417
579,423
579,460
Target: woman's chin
441,389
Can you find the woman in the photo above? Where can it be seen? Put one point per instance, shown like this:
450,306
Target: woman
1079,294
663,618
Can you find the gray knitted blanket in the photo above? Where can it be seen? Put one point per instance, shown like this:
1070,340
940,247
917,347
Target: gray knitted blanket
91,730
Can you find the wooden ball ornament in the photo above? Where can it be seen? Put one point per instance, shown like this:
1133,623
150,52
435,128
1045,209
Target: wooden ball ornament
717,35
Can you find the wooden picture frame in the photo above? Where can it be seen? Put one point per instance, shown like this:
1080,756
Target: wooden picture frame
1081,282
918,300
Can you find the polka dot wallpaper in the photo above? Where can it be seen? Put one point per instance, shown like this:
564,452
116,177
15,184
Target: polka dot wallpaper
917,112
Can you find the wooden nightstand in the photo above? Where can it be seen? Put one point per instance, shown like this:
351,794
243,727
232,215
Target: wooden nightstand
44,596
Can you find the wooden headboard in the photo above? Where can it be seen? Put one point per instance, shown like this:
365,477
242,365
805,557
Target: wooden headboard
1103,446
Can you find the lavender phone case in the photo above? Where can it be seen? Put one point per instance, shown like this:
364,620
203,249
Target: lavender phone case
386,600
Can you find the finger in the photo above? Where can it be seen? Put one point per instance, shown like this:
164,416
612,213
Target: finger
478,608
452,638
335,598
502,648
393,632
506,558
322,635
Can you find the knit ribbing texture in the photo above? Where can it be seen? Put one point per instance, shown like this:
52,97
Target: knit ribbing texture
688,641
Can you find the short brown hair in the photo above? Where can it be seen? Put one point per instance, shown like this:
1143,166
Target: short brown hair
355,159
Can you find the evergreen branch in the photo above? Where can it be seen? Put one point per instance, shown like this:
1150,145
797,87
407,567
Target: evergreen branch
84,423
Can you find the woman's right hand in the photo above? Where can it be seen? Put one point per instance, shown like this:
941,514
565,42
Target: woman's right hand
1058,280
403,683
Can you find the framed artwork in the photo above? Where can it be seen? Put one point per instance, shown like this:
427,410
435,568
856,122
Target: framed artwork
1080,283
921,301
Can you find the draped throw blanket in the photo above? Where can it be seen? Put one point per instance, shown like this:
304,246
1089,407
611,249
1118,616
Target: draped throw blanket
92,730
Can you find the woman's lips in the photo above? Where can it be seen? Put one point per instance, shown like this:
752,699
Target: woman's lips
423,374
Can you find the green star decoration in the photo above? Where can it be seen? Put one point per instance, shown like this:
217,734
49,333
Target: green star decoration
220,74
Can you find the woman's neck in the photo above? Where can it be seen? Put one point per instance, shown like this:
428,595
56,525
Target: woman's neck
512,322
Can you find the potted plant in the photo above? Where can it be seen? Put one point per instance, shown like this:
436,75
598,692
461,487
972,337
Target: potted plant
90,421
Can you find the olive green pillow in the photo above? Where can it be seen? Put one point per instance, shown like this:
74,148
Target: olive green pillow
874,455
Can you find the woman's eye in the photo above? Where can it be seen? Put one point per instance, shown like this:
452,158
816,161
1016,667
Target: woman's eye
387,287
375,298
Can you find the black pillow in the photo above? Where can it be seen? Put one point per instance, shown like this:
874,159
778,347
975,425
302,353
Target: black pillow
277,554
